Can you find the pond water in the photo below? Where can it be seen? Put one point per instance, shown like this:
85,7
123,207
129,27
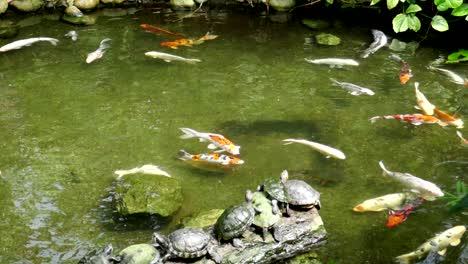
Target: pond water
66,126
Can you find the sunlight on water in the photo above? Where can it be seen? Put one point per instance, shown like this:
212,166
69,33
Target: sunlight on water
68,125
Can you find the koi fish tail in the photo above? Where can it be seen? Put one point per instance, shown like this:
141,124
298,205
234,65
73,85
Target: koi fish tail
374,119
334,81
289,141
385,171
208,36
53,41
189,133
404,259
104,44
184,155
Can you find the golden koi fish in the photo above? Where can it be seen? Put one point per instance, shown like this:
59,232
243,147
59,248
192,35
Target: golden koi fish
448,119
187,42
422,101
392,201
438,243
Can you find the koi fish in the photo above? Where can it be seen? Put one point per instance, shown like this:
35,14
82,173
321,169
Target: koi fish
326,150
214,158
188,42
448,119
97,54
397,217
216,140
72,34
463,140
158,30
438,243
415,119
379,41
428,190
405,72
169,57
334,62
422,101
27,42
455,78
145,169
390,201
352,88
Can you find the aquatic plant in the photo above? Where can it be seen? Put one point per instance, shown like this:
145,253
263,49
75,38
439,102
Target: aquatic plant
459,199
455,56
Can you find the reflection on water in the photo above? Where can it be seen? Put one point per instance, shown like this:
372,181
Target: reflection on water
67,126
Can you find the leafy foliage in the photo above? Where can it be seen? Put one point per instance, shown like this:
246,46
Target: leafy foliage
455,199
407,19
455,57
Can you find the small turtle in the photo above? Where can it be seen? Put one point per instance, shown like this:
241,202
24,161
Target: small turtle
186,243
301,194
102,256
235,220
267,212
139,254
276,190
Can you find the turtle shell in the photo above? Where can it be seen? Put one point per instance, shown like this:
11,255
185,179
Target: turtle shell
266,217
234,221
301,193
276,189
189,242
139,253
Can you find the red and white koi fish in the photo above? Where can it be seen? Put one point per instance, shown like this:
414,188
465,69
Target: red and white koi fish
415,119
397,217
187,42
448,119
217,140
463,140
213,158
422,101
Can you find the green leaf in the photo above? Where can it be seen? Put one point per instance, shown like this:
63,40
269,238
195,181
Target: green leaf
414,23
330,2
443,6
454,3
461,10
400,23
373,2
438,2
391,3
413,9
439,23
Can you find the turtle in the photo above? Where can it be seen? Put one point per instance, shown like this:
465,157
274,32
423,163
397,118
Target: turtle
267,212
276,190
139,254
235,220
302,195
101,256
186,243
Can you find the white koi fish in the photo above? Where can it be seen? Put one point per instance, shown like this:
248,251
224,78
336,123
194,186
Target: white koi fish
326,150
72,34
97,54
422,101
169,57
216,140
352,88
214,158
455,78
439,243
334,62
380,40
145,169
428,190
27,42
393,201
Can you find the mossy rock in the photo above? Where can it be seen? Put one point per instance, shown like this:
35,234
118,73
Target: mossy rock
307,258
86,4
282,5
150,194
203,219
112,1
316,23
7,29
327,39
27,5
3,6
83,20
139,254
182,4
73,11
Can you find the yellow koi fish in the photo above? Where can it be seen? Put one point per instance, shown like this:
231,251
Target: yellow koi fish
448,119
392,201
422,101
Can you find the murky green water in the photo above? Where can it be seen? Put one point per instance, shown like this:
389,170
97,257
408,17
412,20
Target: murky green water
66,126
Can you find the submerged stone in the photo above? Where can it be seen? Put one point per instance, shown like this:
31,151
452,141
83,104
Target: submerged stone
327,39
203,219
150,194
7,29
316,23
73,11
282,5
27,5
82,20
182,4
86,4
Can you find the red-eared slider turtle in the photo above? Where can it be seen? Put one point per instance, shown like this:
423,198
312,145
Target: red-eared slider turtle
267,212
301,194
186,243
276,190
235,220
139,254
102,256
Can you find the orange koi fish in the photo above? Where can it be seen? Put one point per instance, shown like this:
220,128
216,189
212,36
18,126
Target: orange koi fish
405,73
451,120
216,140
214,158
415,119
157,30
397,217
188,42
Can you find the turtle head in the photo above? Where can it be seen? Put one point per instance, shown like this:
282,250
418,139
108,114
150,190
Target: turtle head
108,250
160,241
274,205
248,196
284,176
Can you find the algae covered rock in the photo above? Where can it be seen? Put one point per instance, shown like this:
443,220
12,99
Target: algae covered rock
202,219
282,5
316,23
150,194
7,29
73,11
112,1
27,5
86,4
139,254
82,20
327,39
182,4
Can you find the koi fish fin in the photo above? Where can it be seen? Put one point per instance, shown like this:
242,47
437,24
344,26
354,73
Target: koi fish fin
289,141
226,162
219,151
442,124
211,146
375,118
405,259
188,133
167,60
385,171
417,107
202,140
328,157
184,155
416,123
355,93
442,252
455,242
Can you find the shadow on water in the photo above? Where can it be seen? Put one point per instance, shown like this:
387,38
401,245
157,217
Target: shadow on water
266,127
